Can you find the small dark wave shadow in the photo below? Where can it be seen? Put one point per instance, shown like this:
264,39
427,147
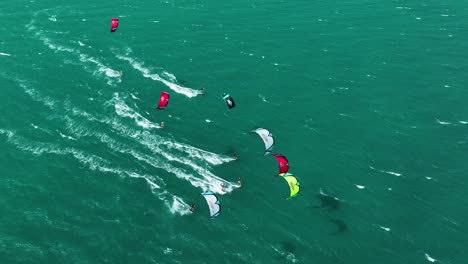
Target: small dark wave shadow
329,205
328,202
341,226
288,246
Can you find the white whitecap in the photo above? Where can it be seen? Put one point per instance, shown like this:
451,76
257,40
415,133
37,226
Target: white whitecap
322,193
360,186
263,98
4,54
65,136
388,172
443,122
429,258
385,228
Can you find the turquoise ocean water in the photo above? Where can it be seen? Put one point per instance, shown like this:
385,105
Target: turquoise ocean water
368,100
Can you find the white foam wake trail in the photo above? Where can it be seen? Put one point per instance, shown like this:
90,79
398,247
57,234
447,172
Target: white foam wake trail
169,76
53,46
208,182
35,95
388,172
122,109
146,72
40,148
4,54
153,142
112,76
102,69
194,152
175,204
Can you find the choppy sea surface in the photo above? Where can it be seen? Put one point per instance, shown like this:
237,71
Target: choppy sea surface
368,101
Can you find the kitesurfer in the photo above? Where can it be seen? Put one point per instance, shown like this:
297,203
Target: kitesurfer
222,187
202,91
192,208
239,182
162,124
235,155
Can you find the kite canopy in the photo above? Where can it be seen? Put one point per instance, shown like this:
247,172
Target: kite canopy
229,100
267,138
213,204
163,100
114,24
282,162
293,183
